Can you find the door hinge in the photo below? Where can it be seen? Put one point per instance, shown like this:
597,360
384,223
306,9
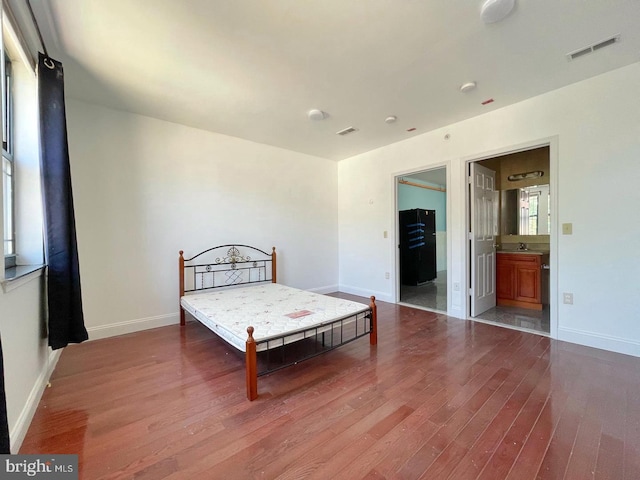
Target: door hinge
470,235
471,292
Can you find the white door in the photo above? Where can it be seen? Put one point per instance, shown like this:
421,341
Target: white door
484,227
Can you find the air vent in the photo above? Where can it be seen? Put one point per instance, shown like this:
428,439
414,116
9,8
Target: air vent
605,43
593,48
347,131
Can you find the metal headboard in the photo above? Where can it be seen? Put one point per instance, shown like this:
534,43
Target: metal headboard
225,266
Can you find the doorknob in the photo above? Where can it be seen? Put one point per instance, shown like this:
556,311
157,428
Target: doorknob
544,266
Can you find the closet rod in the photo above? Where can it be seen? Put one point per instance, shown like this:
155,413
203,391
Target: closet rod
406,182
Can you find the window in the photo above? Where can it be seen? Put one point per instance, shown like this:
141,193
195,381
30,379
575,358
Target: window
8,184
20,196
533,214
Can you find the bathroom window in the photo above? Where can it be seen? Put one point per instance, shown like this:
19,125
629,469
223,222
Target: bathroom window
533,213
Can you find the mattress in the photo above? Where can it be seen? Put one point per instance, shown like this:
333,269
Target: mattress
273,310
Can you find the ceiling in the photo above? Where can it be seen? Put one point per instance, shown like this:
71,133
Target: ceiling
253,68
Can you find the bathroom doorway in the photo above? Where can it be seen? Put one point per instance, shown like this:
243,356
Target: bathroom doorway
514,273
422,239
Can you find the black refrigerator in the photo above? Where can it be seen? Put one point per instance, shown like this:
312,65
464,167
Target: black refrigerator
417,246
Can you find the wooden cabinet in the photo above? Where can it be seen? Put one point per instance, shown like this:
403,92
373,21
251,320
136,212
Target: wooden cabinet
518,280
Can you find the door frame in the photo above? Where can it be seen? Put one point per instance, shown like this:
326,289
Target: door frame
552,142
396,225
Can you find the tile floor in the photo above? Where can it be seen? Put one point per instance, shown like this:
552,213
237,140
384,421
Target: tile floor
522,318
433,296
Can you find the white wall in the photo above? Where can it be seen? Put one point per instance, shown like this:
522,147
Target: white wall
597,127
28,361
145,189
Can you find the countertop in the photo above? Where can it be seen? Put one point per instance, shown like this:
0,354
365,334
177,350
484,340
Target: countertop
523,252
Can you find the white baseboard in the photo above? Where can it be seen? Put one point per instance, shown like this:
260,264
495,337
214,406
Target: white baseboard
383,297
131,326
19,430
596,340
326,289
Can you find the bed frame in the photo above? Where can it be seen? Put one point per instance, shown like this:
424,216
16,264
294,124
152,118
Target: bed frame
231,265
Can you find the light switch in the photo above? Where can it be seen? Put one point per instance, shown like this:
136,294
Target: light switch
567,228
385,234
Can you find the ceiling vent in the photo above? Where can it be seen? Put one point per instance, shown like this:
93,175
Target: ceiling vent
347,131
593,48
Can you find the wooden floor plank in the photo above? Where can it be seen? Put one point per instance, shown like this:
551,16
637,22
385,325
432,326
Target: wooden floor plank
506,406
632,433
438,398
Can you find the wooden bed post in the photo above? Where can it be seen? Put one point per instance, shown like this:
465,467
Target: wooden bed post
273,265
373,335
181,277
252,366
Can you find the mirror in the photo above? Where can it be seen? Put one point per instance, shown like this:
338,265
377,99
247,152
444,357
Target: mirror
525,211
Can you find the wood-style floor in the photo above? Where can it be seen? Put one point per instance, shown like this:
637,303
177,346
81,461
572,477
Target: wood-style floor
438,398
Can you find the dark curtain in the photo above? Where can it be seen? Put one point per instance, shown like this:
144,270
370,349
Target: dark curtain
4,423
66,320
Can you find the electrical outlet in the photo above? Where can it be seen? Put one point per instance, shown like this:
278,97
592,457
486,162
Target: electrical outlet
384,234
386,275
567,298
567,229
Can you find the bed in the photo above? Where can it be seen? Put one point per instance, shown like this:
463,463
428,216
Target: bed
232,290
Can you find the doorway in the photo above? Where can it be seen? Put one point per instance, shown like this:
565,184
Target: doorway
422,239
509,241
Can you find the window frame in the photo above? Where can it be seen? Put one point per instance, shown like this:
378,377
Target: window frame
7,155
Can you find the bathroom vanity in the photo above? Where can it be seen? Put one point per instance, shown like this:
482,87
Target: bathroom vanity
519,278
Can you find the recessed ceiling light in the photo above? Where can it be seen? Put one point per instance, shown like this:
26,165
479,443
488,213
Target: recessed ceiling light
316,114
467,87
495,10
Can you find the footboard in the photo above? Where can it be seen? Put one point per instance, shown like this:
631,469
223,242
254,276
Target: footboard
273,354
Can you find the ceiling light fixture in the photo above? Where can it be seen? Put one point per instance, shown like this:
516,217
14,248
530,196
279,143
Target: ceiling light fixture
390,119
493,11
467,87
524,176
316,114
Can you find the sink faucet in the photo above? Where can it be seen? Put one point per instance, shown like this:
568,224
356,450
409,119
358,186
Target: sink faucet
522,246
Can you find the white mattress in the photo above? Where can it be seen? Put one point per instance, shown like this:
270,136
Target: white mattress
271,309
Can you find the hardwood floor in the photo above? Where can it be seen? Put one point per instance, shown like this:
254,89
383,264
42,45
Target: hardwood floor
437,398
